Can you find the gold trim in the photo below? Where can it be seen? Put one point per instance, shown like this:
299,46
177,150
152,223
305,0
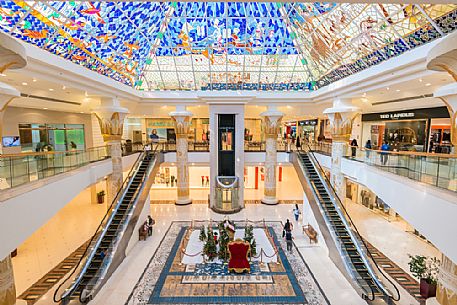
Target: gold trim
448,70
6,104
239,241
3,68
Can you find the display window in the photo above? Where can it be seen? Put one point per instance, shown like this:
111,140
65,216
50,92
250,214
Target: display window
51,137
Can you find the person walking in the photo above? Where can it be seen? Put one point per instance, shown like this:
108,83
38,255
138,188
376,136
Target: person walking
151,222
368,147
289,241
354,146
297,143
296,212
384,155
287,228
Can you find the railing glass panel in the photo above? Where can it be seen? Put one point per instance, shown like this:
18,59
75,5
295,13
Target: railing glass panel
19,169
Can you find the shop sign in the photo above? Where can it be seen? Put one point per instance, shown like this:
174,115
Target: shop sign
308,123
423,113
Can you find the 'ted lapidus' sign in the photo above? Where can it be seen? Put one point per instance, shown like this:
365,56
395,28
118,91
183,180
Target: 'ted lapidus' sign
396,116
408,114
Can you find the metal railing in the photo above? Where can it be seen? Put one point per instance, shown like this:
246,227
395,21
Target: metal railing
356,237
19,169
249,146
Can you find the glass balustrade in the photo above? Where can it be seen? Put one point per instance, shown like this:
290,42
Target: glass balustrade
22,168
227,199
431,168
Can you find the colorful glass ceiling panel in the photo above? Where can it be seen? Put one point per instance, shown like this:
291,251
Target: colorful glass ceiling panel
225,45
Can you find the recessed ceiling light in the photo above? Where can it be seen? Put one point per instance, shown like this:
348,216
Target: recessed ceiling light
63,87
388,88
81,112
50,89
45,108
420,80
1,74
34,80
428,84
364,94
24,84
398,90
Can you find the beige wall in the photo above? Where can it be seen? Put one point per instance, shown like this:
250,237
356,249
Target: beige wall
16,115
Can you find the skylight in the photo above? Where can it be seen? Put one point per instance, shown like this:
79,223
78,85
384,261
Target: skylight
226,45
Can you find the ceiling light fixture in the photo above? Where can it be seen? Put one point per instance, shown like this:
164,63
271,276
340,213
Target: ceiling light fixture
398,90
420,80
364,94
45,108
64,87
81,112
428,84
3,75
24,84
50,89
388,88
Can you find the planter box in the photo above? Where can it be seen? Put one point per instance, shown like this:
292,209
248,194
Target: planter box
427,290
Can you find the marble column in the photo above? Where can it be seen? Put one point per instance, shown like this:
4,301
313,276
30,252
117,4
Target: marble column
182,120
271,125
7,286
111,117
446,292
341,116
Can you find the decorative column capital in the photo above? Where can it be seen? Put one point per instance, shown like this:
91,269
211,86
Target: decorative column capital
271,122
182,120
111,117
12,53
443,56
341,118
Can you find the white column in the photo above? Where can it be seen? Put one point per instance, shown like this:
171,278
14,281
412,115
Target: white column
271,123
111,117
446,292
7,286
182,120
341,116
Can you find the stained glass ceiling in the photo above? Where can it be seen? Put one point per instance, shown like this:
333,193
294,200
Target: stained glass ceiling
225,45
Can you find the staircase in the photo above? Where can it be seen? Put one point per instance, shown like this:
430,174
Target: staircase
107,247
355,255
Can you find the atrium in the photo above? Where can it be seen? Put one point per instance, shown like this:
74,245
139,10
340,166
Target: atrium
237,152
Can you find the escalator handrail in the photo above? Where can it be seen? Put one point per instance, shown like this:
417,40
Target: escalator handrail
359,235
340,249
125,221
111,212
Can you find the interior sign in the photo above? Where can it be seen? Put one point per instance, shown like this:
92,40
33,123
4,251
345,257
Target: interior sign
396,116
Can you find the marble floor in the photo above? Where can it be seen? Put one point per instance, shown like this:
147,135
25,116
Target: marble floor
55,240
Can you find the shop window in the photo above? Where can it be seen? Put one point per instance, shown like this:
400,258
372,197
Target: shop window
227,140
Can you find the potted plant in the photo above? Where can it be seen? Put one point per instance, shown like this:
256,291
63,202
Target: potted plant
210,248
425,269
101,197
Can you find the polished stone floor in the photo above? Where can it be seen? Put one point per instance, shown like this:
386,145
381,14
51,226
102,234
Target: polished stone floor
288,282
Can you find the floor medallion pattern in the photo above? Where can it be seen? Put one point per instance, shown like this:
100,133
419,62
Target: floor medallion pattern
166,281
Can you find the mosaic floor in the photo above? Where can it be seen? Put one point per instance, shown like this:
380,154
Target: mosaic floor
166,281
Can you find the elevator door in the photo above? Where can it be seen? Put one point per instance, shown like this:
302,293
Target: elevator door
226,145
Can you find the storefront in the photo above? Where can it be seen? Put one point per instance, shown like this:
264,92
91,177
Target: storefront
425,129
308,130
51,137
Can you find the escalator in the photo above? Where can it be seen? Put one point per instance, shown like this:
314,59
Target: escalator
361,269
107,247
